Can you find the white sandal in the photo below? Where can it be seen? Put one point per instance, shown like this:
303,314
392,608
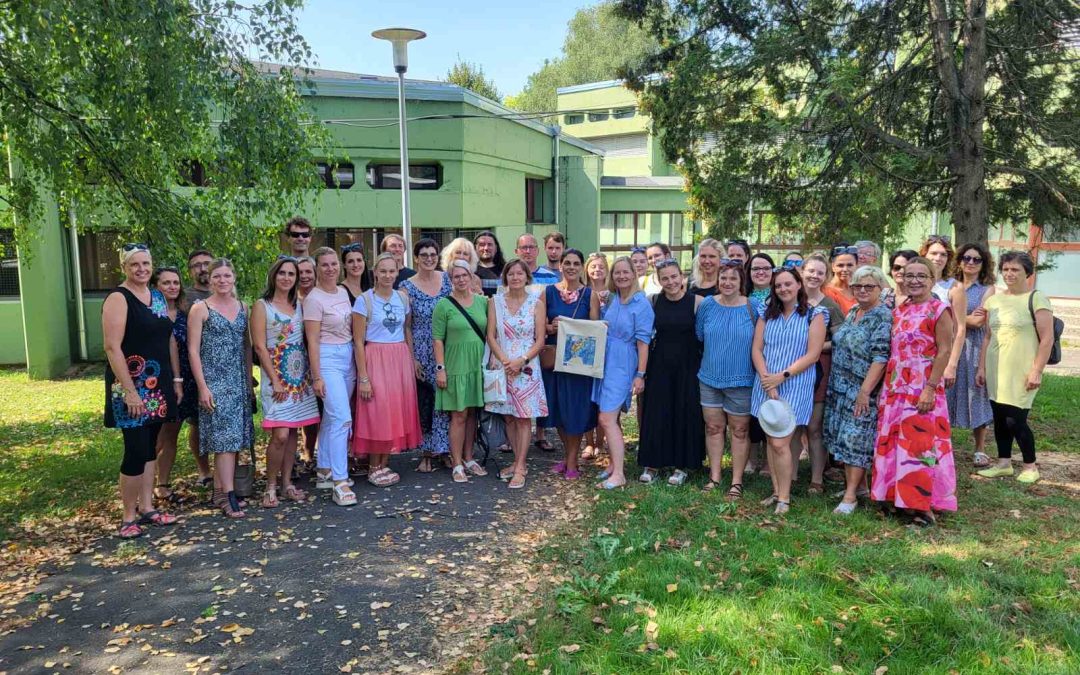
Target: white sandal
474,468
845,509
459,474
343,496
647,476
677,478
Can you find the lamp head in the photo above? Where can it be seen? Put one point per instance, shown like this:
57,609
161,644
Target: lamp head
400,38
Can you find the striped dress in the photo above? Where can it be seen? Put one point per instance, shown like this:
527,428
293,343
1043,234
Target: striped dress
786,341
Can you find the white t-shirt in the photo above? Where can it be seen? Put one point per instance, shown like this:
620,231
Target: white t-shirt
388,322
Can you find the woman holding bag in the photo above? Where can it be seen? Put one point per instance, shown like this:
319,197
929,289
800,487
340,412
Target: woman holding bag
569,395
458,328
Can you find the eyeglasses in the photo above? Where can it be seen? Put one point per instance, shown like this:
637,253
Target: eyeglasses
863,287
916,277
971,259
762,269
529,247
128,248
428,255
842,250
355,247
666,262
943,238
730,262
300,235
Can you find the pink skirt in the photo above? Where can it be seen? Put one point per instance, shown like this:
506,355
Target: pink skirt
388,422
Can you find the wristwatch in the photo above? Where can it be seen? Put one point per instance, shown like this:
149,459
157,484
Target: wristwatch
640,374
439,367
787,374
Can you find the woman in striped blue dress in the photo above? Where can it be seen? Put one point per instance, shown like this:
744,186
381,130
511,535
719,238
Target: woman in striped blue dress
787,344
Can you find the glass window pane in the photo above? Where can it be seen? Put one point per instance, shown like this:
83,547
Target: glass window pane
607,229
624,228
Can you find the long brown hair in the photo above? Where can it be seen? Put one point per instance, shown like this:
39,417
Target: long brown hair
271,280
774,307
986,272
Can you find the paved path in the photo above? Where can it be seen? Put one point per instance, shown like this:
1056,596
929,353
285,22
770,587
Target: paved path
391,585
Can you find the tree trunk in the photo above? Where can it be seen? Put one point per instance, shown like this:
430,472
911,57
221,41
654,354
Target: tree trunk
967,162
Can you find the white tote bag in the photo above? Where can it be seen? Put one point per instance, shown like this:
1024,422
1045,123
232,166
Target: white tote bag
581,345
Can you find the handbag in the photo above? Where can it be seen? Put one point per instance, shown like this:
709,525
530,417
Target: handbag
547,353
1059,328
244,477
494,379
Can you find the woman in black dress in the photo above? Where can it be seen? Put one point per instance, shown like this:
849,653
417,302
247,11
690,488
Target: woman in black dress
672,428
140,390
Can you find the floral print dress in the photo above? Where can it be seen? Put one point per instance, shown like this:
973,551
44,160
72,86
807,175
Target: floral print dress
437,432
913,461
228,427
525,396
285,342
146,353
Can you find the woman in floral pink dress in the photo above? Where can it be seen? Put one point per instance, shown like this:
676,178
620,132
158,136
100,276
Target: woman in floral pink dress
913,461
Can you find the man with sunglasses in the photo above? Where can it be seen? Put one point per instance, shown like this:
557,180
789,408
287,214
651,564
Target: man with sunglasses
198,264
298,231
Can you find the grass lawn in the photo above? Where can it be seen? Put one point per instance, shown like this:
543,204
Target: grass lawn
674,580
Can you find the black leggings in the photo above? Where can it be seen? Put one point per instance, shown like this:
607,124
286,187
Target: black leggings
140,447
1011,422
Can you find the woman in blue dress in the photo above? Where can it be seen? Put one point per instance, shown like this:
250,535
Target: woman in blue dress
787,344
572,412
425,289
629,317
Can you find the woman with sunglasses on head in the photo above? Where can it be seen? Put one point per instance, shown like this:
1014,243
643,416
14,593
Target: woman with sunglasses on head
357,277
459,328
787,343
938,249
897,261
329,339
288,399
596,272
794,259
759,273
425,289
843,260
629,317
167,280
571,411
650,282
141,391
969,407
671,423
639,260
387,421
705,270
913,460
1019,335
815,274
738,249
860,352
219,347
725,324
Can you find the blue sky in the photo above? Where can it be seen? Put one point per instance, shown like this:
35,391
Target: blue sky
509,38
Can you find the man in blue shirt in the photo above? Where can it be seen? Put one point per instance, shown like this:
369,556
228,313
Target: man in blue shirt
527,249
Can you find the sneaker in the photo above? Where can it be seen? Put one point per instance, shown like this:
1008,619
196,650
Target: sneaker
1028,476
323,481
996,472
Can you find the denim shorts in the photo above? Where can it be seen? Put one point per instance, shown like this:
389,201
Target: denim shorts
734,400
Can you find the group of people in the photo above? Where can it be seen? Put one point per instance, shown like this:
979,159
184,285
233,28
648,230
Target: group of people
818,354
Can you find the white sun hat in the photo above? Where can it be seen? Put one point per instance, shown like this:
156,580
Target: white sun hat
776,417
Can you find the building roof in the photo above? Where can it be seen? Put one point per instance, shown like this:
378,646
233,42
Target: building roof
344,84
589,86
661,182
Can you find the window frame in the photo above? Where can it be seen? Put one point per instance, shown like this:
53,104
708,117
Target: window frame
534,199
375,179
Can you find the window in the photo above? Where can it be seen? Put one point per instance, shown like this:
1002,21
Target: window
340,176
623,145
620,231
99,260
598,116
573,119
388,176
534,200
9,265
623,113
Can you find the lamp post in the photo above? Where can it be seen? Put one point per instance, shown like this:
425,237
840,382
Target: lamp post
400,38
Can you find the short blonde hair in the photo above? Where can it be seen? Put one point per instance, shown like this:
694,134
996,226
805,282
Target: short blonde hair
635,287
446,258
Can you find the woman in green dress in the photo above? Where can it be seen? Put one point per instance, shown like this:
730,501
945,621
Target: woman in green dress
458,326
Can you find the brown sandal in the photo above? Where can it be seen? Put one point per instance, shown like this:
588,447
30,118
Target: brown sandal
710,486
734,493
295,494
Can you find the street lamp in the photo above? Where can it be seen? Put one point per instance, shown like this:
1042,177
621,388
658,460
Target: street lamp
400,38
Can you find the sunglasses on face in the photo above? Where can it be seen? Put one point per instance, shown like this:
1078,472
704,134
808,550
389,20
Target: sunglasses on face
355,247
128,248
971,259
841,250
300,235
427,255
897,268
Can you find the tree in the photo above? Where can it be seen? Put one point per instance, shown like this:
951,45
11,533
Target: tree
598,43
109,106
846,116
471,77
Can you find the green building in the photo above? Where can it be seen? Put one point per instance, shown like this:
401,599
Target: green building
478,166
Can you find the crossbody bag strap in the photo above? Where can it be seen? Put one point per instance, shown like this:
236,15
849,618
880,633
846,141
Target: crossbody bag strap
468,317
